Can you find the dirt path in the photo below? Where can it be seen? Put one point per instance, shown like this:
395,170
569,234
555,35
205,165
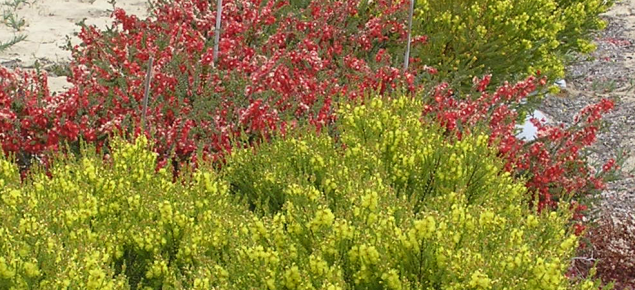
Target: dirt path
46,25
609,72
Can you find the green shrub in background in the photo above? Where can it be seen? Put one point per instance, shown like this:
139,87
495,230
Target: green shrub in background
507,38
388,204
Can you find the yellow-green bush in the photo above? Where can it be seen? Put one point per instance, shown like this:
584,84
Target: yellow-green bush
508,38
388,204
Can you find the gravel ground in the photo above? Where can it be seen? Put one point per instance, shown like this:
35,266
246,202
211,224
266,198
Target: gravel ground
609,72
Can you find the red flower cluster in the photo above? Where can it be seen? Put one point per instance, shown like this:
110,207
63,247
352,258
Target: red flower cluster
33,121
553,161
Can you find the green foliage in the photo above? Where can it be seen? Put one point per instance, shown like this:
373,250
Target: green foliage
4,45
509,39
388,204
11,19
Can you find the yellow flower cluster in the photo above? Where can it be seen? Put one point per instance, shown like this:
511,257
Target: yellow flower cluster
509,39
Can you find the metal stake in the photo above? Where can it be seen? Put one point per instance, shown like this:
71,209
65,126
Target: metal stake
407,56
146,94
219,13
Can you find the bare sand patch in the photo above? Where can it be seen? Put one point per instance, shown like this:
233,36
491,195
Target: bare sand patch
47,25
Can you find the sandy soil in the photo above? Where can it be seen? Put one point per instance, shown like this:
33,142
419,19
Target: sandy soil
48,22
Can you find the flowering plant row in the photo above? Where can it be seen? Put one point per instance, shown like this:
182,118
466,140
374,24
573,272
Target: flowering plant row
278,60
281,64
378,207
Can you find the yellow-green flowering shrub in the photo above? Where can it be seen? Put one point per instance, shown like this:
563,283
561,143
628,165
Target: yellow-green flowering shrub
390,203
114,225
508,38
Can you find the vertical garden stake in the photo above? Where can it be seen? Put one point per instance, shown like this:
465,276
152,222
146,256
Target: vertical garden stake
146,94
407,55
219,13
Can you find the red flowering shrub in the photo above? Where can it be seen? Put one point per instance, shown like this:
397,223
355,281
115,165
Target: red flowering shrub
32,121
553,163
277,62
